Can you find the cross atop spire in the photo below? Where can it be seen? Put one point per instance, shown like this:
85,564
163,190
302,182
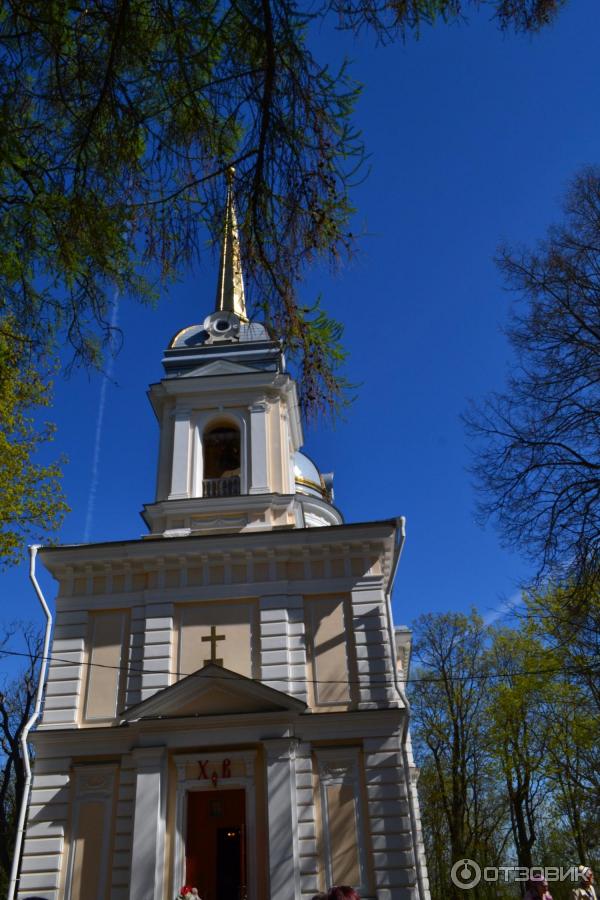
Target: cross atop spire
230,287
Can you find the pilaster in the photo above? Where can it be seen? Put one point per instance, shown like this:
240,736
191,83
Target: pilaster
66,671
374,660
157,649
389,815
180,471
307,828
283,644
147,860
259,448
47,823
282,815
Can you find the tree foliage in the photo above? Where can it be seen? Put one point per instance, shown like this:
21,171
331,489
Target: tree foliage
569,619
449,730
32,505
505,725
117,120
395,18
519,727
538,463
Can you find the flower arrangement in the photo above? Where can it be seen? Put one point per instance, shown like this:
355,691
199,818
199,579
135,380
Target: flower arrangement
186,892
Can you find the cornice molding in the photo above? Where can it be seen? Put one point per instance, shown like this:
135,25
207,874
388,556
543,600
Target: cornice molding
368,541
183,735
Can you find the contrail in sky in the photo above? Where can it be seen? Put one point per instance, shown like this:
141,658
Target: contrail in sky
106,377
508,606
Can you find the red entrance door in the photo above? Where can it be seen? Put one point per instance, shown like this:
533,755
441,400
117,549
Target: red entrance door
215,846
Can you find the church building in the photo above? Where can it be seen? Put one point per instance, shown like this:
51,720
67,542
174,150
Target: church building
225,705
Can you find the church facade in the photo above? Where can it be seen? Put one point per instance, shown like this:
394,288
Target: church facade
225,704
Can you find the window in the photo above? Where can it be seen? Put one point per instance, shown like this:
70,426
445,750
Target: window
221,446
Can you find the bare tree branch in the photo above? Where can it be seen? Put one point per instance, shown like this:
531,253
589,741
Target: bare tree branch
537,443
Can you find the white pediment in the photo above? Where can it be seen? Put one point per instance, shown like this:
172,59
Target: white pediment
213,691
220,367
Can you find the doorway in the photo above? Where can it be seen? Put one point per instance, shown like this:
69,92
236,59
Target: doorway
215,845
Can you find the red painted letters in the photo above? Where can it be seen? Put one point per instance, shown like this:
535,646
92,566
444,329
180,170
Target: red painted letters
225,770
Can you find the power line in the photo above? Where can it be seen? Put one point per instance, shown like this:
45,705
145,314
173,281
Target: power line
476,676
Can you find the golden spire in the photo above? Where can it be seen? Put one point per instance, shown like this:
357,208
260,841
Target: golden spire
230,287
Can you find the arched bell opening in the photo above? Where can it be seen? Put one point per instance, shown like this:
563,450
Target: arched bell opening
221,454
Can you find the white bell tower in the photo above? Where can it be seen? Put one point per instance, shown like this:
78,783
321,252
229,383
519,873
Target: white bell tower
230,429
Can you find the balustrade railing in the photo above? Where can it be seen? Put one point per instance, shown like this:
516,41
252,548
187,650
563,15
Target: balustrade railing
221,487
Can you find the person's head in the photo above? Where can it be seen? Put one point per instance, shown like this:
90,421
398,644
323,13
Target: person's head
538,885
586,876
342,892
320,896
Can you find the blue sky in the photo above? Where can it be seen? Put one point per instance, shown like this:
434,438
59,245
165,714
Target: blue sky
473,136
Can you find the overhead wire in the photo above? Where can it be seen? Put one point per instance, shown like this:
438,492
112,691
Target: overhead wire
423,679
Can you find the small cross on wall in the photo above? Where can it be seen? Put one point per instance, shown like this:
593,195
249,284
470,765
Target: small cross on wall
213,637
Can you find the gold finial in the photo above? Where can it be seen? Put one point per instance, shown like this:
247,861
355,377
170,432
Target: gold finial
230,287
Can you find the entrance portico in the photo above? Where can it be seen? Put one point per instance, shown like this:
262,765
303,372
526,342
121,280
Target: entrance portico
215,832
225,808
